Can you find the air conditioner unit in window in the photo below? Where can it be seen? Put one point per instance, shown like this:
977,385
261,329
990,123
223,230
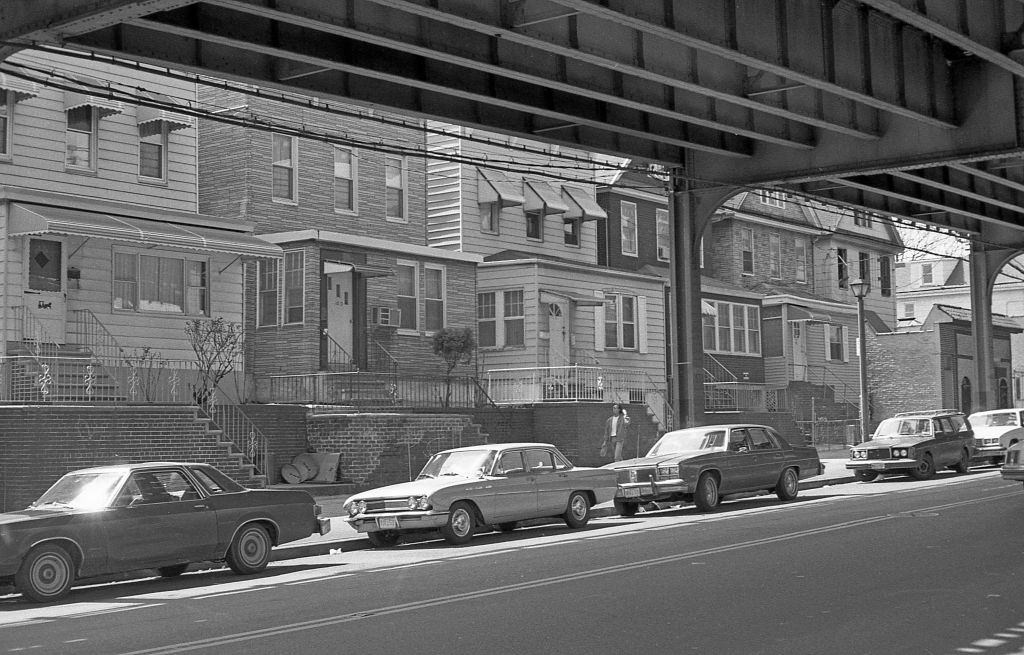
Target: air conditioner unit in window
387,316
663,252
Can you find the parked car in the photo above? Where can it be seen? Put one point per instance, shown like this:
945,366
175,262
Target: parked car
700,465
995,431
1013,465
160,515
460,491
915,443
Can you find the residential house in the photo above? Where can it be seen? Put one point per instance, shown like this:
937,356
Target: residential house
105,256
921,284
343,192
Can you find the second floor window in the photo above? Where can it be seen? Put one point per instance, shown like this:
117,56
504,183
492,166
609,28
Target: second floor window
747,251
486,320
627,227
772,198
534,225
514,318
842,269
732,328
571,231
434,297
395,176
664,247
149,283
775,256
908,310
407,293
864,267
344,180
861,218
620,322
294,286
284,167
926,274
885,276
835,346
81,138
800,259
6,121
266,293
153,150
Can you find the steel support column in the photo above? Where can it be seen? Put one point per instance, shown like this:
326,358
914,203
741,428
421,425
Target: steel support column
985,267
692,208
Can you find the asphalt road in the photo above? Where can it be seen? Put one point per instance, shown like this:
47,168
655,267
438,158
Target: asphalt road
892,566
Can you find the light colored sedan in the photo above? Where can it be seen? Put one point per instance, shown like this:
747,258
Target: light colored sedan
995,431
460,491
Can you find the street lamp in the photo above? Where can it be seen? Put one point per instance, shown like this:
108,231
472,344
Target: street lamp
860,289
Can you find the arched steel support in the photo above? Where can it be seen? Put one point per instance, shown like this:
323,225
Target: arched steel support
692,208
985,267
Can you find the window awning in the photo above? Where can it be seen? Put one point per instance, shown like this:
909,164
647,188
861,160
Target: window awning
551,296
581,205
103,106
494,187
149,118
708,309
541,197
366,270
26,219
802,314
23,89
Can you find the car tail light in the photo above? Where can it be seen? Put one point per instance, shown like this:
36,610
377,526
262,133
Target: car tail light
317,510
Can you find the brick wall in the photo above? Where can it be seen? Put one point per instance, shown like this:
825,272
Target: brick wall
284,427
40,444
903,373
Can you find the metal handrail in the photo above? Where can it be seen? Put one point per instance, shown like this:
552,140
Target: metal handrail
87,330
345,363
712,368
380,360
246,436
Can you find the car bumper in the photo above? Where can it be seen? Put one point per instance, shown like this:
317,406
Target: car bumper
1015,473
881,465
651,490
989,453
323,525
398,521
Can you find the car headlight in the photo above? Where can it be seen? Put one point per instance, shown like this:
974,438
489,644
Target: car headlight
357,507
668,472
858,454
418,502
901,452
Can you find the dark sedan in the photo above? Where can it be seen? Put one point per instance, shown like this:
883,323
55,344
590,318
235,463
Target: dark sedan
160,515
700,465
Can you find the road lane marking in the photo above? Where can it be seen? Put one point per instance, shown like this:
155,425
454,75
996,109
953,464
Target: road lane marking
330,577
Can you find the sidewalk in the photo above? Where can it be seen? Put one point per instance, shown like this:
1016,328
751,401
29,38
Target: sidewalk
343,538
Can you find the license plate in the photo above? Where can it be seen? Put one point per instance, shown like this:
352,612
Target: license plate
636,492
879,467
387,523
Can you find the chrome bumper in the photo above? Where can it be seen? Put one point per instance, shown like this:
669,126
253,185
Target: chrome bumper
645,490
881,465
402,521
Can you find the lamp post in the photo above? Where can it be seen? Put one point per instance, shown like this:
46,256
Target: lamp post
860,289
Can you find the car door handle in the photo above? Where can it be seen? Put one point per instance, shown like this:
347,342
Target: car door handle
201,506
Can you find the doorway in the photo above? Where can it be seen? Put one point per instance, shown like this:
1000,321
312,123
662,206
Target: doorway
798,331
45,293
558,331
339,327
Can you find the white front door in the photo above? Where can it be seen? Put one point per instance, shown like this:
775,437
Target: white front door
799,344
558,330
46,289
339,309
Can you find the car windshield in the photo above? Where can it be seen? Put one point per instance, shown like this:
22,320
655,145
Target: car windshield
81,491
682,440
997,419
893,428
470,463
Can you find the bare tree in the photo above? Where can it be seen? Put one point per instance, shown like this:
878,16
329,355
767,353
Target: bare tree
217,344
922,243
456,346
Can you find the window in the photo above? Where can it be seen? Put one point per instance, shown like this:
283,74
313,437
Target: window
294,286
534,224
407,292
864,267
153,150
514,319
747,250
836,345
926,274
800,259
842,272
772,198
6,121
664,247
627,227
506,329
861,218
344,180
732,328
152,283
395,173
486,320
81,138
490,217
266,293
774,256
885,276
284,165
571,230
908,310
433,298
620,322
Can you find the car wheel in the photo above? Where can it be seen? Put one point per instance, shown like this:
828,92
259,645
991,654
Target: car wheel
509,526
172,571
788,485
626,509
924,469
706,495
865,476
964,465
45,574
577,514
250,551
383,538
461,524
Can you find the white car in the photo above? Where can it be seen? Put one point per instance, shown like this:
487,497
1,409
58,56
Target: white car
995,431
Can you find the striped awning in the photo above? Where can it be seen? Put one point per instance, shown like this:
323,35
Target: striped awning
153,118
23,89
495,187
26,219
542,197
581,204
103,106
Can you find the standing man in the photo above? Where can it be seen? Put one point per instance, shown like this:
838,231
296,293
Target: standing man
615,431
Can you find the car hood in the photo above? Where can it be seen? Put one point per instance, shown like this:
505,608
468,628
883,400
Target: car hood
987,432
668,458
32,516
886,442
423,487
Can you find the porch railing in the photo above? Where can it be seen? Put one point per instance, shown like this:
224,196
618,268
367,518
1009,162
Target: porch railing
243,433
338,359
380,360
33,333
743,397
84,329
369,389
